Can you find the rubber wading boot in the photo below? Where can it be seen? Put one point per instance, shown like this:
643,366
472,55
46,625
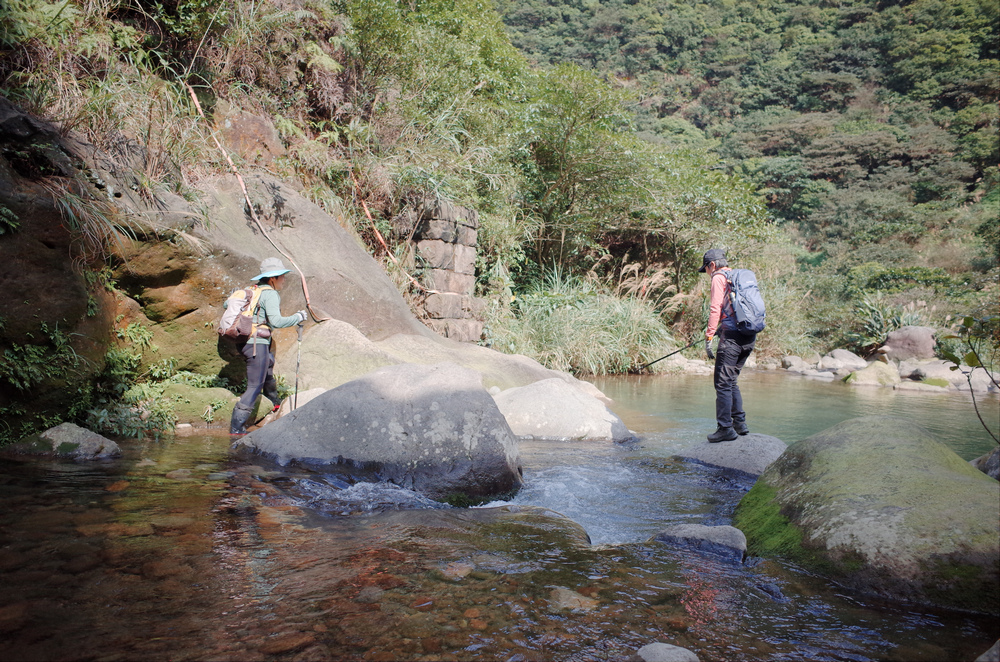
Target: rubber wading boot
238,423
722,434
741,428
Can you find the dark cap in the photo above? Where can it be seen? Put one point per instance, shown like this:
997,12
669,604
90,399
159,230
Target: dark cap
711,255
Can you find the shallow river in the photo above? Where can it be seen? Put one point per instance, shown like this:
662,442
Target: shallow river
177,552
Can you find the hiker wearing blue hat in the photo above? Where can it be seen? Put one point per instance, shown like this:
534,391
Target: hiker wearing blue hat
257,349
735,346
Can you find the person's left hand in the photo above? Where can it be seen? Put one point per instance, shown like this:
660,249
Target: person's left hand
708,350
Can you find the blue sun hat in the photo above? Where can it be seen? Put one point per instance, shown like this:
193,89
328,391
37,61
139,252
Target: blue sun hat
271,267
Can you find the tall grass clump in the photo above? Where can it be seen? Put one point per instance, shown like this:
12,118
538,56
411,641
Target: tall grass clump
569,324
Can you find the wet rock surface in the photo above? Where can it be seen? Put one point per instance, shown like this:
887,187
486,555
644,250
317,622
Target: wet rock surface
725,541
749,454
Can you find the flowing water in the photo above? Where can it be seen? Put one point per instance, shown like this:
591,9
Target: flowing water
178,552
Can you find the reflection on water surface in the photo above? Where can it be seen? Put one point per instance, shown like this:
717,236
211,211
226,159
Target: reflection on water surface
175,553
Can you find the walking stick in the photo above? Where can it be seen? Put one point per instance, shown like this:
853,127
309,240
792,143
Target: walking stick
298,361
691,344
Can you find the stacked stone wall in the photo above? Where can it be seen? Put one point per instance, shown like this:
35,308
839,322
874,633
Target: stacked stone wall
445,238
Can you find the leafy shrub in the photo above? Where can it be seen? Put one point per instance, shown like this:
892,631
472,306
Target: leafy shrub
874,320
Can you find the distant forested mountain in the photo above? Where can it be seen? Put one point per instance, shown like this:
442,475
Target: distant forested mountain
872,127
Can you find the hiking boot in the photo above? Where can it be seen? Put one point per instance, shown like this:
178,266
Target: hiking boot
722,434
238,423
741,428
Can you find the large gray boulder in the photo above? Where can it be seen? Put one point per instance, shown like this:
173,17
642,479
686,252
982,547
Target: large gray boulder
910,342
750,454
432,429
880,506
67,440
555,409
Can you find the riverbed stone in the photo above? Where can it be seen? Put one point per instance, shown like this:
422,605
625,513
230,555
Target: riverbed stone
992,655
67,440
989,463
561,598
794,363
840,359
876,374
433,429
910,342
725,541
978,380
750,454
882,507
660,652
555,409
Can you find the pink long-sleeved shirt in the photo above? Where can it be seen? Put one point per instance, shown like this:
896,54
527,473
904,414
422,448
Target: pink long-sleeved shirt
715,303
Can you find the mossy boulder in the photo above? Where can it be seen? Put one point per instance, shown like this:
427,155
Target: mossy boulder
200,406
66,440
876,374
880,506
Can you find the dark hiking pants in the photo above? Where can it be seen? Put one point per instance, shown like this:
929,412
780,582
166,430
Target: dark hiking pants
734,348
260,375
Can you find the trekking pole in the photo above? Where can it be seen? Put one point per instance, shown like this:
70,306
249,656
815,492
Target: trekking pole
298,361
691,344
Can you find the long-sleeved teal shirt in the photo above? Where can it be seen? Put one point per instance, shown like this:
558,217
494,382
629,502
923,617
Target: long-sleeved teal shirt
269,313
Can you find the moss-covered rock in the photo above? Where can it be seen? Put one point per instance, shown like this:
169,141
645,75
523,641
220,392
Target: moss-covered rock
880,506
200,406
876,374
66,440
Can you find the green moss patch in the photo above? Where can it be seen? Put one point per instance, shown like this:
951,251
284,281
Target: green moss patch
768,532
936,381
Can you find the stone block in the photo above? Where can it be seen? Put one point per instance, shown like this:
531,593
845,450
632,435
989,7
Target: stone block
437,254
446,211
434,228
445,280
447,305
465,259
461,330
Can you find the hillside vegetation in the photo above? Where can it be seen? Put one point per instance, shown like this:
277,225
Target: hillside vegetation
848,153
870,128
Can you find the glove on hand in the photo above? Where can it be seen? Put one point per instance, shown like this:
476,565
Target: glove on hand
708,350
303,316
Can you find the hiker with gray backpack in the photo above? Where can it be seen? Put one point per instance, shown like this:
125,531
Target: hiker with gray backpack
736,311
250,315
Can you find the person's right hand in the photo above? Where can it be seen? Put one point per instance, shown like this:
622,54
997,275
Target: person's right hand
303,316
708,350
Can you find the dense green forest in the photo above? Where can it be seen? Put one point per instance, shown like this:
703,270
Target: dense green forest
870,128
848,152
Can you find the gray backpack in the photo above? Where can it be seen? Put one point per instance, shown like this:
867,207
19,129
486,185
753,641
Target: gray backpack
748,303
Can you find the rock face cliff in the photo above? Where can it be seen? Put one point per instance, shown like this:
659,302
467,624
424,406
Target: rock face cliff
96,248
